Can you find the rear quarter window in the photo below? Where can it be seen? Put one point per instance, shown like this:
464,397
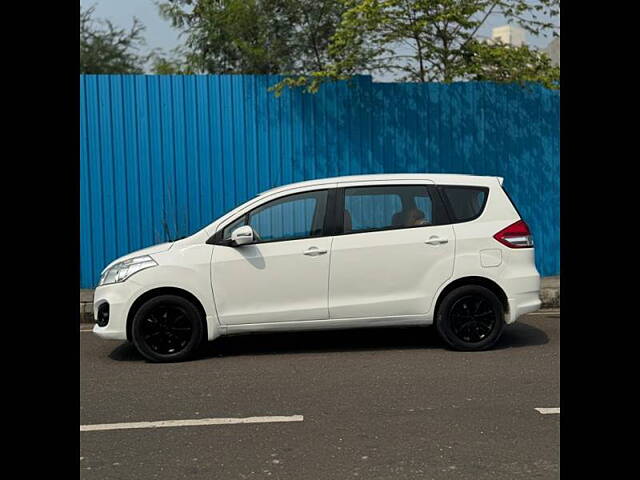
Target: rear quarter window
465,203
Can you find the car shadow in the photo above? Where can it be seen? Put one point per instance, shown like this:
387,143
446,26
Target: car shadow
388,338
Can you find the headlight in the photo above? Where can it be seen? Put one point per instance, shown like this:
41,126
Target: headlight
121,271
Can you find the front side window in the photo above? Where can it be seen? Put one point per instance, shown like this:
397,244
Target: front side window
295,216
226,234
387,207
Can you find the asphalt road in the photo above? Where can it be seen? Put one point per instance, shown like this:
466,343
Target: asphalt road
377,404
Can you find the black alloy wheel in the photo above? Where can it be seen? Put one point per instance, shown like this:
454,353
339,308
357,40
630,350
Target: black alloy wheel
167,328
470,318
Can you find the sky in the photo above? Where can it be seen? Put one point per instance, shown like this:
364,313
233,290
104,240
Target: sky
159,34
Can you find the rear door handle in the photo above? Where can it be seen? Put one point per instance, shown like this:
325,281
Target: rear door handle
435,240
314,251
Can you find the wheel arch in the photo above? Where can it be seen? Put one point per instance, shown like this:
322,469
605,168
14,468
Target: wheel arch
155,292
473,280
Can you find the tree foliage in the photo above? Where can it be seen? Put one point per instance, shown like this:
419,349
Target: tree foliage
173,63
434,40
505,63
105,48
254,36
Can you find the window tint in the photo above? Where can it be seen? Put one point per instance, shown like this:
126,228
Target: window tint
295,216
467,203
379,208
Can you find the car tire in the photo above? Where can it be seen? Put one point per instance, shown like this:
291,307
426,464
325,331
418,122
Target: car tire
167,328
470,318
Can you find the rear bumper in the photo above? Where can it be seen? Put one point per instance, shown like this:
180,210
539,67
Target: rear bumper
523,297
522,304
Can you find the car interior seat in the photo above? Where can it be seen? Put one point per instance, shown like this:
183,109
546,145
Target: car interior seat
408,218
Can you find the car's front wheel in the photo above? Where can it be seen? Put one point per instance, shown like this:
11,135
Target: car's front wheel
470,318
167,328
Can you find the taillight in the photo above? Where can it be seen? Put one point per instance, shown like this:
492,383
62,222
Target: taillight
516,235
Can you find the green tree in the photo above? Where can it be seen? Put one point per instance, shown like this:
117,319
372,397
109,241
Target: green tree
173,63
433,40
254,36
507,64
105,48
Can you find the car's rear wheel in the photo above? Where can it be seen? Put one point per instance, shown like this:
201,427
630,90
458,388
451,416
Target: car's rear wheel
167,328
470,318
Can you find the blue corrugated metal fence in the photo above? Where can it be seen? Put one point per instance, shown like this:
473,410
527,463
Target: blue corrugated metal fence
162,156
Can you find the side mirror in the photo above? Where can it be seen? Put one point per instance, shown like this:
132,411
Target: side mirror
242,236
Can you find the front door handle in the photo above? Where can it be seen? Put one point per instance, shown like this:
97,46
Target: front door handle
435,240
314,251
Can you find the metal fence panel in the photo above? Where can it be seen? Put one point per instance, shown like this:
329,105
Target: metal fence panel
163,156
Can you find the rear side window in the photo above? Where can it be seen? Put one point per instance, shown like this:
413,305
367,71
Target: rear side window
465,203
373,208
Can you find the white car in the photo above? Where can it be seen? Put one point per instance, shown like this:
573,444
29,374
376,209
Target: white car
359,251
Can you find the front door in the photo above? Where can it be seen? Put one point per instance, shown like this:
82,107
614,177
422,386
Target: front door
283,276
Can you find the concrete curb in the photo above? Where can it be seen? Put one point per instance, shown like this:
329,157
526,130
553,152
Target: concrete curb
86,305
549,294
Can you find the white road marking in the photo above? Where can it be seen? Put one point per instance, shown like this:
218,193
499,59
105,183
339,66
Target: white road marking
189,423
547,411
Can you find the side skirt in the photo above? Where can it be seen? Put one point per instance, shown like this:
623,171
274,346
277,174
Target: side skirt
331,324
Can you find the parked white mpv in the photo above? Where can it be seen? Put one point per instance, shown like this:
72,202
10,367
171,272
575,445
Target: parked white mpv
361,251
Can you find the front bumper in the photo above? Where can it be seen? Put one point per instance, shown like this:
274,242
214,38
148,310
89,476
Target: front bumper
119,297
